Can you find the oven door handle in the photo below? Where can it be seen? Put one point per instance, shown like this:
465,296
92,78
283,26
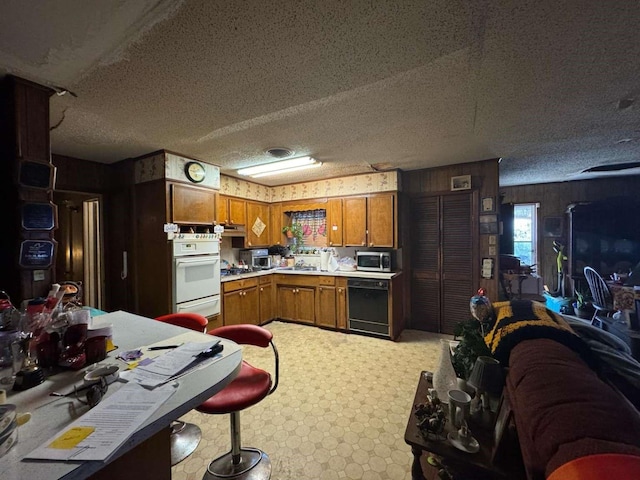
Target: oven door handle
205,302
183,263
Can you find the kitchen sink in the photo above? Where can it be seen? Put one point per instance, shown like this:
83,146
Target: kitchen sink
305,268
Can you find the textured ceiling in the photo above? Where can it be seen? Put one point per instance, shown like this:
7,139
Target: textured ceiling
359,85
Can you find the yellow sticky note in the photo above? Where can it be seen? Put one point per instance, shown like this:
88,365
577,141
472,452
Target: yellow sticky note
71,438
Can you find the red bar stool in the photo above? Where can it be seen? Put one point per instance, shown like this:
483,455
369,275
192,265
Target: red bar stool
185,437
248,388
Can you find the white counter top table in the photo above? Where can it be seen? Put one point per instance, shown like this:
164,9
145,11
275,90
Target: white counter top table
142,454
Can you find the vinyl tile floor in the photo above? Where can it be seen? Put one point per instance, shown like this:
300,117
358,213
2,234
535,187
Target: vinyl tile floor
339,412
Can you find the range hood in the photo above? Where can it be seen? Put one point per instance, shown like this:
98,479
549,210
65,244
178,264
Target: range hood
233,231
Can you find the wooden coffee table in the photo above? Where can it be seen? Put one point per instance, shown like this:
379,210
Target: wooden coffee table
477,465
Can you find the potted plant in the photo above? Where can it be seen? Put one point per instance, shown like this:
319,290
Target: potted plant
470,346
294,232
582,307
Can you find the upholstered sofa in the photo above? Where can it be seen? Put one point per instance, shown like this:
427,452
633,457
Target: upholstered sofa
571,423
564,412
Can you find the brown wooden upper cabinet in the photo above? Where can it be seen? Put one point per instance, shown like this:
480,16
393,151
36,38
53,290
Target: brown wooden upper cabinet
334,222
369,221
276,236
192,205
257,225
231,211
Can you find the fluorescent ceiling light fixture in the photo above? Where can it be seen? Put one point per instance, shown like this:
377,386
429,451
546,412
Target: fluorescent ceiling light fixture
279,167
287,170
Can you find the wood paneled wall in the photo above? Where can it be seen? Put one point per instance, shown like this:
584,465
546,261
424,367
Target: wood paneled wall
436,181
24,137
78,175
115,185
554,199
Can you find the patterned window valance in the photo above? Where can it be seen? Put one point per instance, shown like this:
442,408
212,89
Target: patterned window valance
314,226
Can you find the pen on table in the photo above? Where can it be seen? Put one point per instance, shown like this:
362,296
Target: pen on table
163,347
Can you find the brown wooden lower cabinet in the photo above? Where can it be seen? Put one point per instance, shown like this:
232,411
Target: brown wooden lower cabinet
320,300
214,322
265,289
296,303
241,302
326,306
341,303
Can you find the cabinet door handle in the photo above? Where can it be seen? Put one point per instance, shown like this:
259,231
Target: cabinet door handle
320,288
340,290
261,289
364,243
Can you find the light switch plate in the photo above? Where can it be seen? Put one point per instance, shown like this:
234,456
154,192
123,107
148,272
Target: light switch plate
38,275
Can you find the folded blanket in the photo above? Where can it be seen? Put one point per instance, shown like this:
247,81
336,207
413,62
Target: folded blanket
615,363
518,320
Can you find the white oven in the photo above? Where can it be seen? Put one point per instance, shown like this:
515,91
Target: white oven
196,274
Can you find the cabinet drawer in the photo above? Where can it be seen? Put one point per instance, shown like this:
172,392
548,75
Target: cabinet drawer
239,284
322,280
264,279
297,280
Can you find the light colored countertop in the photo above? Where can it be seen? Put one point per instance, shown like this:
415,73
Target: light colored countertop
50,415
338,273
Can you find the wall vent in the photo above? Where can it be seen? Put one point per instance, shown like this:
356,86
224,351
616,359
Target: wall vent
280,152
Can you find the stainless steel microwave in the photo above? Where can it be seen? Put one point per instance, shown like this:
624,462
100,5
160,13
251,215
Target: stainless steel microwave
374,261
257,259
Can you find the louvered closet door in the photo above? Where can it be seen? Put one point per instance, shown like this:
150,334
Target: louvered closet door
425,264
457,284
442,257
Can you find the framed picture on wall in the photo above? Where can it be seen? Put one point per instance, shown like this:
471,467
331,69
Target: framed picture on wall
36,175
488,224
462,182
552,226
487,205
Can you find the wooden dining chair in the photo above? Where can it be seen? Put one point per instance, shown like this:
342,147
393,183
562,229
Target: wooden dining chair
601,295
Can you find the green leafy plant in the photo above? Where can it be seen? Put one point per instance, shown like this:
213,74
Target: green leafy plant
583,299
294,231
471,346
583,307
580,299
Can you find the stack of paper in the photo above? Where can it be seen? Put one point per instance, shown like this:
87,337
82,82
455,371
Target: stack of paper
99,432
162,369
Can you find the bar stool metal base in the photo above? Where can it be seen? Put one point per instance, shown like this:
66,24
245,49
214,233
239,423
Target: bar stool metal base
254,465
185,438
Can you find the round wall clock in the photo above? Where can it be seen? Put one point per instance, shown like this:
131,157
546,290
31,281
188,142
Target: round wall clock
194,171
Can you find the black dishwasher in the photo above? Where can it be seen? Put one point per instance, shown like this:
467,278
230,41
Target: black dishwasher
369,306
